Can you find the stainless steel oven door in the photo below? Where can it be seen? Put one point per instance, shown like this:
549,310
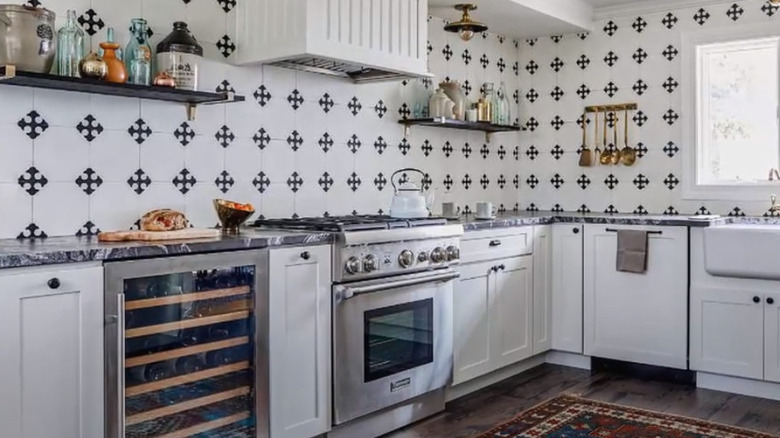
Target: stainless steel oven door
392,341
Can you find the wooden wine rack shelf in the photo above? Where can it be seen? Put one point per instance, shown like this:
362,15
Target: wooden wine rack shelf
185,324
205,427
187,351
187,298
186,406
187,378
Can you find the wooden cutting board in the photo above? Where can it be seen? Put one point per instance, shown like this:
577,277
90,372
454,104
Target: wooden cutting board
156,236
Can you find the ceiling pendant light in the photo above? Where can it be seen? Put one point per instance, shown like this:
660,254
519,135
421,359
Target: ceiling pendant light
467,27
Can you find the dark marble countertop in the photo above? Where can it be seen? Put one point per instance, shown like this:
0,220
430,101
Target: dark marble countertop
516,219
54,250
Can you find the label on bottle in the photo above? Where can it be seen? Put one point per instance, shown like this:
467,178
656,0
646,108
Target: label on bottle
182,67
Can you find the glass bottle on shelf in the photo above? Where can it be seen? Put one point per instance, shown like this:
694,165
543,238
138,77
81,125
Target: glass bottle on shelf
139,39
503,106
140,69
490,101
70,47
111,38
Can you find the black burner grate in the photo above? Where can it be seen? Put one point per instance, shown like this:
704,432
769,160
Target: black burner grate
348,223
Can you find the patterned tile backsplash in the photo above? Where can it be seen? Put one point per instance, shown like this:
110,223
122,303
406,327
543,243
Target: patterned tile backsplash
305,144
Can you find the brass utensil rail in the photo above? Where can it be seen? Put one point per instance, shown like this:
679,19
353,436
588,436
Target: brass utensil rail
612,108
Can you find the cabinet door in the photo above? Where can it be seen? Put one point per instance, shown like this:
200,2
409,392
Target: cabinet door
300,341
772,338
567,240
471,322
641,318
511,311
542,296
727,328
51,353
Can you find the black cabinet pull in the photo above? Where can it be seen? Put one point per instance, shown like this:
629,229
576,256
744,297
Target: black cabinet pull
756,300
770,301
54,283
495,243
306,255
576,231
502,267
612,230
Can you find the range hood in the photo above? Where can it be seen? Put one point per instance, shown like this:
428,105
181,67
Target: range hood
359,40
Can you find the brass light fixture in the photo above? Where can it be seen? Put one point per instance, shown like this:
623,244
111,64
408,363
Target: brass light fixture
467,27
775,2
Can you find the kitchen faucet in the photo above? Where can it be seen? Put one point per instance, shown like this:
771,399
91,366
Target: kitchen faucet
774,174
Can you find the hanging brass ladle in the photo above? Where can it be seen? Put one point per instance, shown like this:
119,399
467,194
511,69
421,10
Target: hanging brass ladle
627,154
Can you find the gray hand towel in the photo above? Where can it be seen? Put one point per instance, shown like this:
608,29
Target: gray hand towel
632,251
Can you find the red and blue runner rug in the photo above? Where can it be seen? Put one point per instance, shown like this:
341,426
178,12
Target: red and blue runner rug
573,417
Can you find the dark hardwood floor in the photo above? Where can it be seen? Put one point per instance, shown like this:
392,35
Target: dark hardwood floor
481,411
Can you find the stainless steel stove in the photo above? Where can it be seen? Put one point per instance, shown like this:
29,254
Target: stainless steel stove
392,318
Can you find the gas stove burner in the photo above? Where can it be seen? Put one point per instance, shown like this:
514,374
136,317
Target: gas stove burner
349,223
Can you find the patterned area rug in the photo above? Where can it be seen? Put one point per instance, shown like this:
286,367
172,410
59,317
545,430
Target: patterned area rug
574,417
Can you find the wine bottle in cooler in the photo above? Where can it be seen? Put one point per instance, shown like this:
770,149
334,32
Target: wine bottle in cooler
152,372
189,365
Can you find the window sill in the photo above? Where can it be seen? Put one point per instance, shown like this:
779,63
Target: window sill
752,192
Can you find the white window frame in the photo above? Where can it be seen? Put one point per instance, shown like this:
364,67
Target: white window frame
691,189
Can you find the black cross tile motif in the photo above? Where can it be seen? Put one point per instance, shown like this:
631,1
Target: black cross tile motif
611,58
611,182
557,123
583,91
641,211
641,150
532,67
670,20
139,131
485,61
735,12
224,182
640,87
33,3
484,151
670,52
226,46
583,62
448,182
88,229
639,24
89,181
32,231
261,138
295,99
557,152
532,181
557,208
227,5
611,28
640,55
89,128
430,47
501,64
583,35
261,182
33,124
295,182
532,41
224,136
380,145
532,124
380,109
467,150
703,211
670,84
501,152
671,181
516,97
447,149
427,148
354,182
671,117
736,212
466,56
467,87
354,143
32,181
404,111
501,182
516,182
354,106
583,209
326,103
557,93
557,64
671,149
701,16
326,182
516,153
640,118
447,52
91,22
583,120
484,181
294,140
262,95
466,181
532,208
583,181
380,181
225,87
326,142
557,181
611,89
769,9
532,95
184,134
671,211
184,181
556,38
641,182
139,181
532,152
404,146
516,68
611,210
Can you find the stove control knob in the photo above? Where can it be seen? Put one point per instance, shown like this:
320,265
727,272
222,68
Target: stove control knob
453,253
353,266
438,255
370,263
422,257
406,259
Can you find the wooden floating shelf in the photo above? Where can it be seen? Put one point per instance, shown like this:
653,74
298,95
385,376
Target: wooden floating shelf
187,298
9,75
205,427
186,406
441,122
185,324
187,378
612,108
186,351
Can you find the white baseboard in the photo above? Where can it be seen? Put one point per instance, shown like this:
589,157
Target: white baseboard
474,385
572,360
736,385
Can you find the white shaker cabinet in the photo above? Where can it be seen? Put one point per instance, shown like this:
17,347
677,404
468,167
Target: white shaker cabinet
472,302
640,318
51,352
567,241
543,280
299,347
512,311
772,337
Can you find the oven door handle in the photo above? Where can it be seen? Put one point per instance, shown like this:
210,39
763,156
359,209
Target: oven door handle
352,292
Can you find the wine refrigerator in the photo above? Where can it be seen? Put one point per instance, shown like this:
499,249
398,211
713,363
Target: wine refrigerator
186,347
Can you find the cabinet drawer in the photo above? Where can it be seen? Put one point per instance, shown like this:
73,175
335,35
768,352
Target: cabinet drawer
496,245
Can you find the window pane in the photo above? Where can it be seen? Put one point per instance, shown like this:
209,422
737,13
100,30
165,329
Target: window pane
738,126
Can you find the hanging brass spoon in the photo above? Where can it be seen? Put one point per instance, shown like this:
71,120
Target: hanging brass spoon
605,158
614,151
628,154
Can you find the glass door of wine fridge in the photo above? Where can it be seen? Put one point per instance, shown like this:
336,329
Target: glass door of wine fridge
184,338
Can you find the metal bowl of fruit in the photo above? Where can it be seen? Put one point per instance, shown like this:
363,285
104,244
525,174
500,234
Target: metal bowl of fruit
232,214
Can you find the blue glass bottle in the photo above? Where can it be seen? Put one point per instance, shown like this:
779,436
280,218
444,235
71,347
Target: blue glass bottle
139,39
70,47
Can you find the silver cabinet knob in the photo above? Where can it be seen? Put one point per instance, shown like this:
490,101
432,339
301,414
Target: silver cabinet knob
453,253
438,255
406,258
352,266
370,263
